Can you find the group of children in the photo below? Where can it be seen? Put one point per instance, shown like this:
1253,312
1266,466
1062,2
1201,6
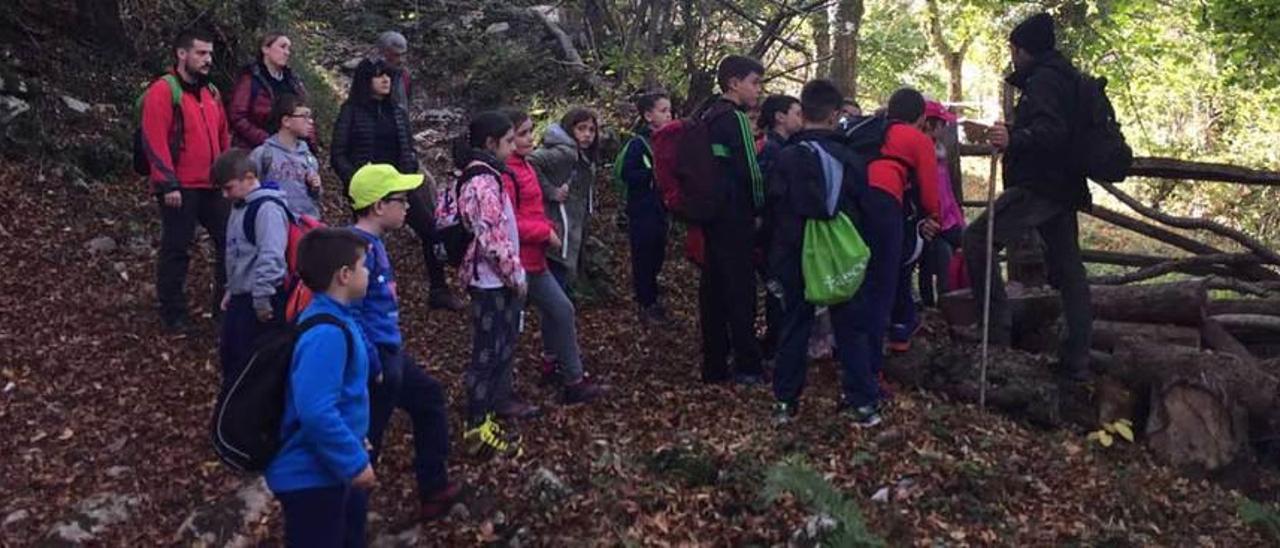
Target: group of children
526,210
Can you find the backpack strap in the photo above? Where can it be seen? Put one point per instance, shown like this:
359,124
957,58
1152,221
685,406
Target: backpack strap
177,128
251,216
328,319
264,163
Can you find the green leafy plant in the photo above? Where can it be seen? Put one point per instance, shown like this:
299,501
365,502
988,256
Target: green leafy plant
1106,436
795,477
1261,516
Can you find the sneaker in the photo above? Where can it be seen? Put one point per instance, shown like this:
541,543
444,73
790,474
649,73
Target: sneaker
785,412
866,416
516,409
583,391
444,299
438,504
900,336
487,439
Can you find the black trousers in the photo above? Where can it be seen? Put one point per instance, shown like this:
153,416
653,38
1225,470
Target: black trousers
205,208
727,300
422,219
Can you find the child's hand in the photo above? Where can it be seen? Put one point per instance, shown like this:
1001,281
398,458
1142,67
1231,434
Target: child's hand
313,181
562,193
173,199
522,291
365,480
555,240
264,314
226,301
929,228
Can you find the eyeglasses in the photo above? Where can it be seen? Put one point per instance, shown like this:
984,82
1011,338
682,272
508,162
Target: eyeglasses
402,200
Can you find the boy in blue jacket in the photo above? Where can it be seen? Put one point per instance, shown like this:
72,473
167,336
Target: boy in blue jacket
647,219
322,474
380,198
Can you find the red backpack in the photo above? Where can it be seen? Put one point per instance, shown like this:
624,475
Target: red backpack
686,170
299,226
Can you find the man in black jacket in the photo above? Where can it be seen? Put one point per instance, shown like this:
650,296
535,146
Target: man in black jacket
1043,189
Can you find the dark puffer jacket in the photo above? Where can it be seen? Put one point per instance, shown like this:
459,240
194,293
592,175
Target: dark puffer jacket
251,102
1039,140
355,138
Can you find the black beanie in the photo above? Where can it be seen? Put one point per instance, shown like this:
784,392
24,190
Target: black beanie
1035,34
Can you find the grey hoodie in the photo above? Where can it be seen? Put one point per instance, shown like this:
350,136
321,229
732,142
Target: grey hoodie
288,169
558,162
257,270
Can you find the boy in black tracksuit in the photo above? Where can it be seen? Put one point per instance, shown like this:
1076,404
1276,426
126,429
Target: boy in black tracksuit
798,191
727,289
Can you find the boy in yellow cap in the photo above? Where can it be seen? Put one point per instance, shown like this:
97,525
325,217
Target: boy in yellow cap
380,197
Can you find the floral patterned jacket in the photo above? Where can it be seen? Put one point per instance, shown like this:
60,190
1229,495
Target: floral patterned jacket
487,211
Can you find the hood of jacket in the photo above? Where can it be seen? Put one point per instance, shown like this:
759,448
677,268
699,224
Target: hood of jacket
301,149
264,191
1052,59
556,136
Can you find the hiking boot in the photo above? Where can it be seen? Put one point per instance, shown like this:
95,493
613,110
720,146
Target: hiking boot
438,504
516,409
444,299
583,391
785,412
866,416
488,439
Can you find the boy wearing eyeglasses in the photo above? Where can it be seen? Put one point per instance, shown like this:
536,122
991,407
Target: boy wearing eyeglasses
285,161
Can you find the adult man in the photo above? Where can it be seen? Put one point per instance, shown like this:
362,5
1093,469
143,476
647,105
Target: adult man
1042,189
391,47
181,138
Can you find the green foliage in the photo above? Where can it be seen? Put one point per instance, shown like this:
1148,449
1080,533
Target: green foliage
795,477
1261,516
1248,38
893,47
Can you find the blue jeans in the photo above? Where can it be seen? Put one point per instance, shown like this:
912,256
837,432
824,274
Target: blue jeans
325,517
406,385
648,236
881,227
792,358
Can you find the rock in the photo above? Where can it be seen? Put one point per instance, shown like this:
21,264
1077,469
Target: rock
551,12
815,529
15,517
101,245
13,86
443,116
80,107
139,246
116,472
223,522
547,487
498,28
11,107
92,516
409,537
351,64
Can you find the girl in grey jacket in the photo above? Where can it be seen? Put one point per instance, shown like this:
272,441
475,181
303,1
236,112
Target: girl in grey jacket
566,170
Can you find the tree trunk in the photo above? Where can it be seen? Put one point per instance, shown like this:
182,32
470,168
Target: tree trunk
1270,307
101,26
820,21
1216,336
844,66
1179,303
701,82
955,69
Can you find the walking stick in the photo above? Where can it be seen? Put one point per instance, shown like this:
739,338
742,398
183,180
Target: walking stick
986,292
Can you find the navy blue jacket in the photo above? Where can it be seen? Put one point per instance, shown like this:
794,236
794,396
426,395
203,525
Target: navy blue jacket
643,199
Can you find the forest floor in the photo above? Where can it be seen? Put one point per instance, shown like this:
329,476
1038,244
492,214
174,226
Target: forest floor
97,402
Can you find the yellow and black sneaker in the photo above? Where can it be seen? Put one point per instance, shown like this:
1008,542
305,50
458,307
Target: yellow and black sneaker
487,439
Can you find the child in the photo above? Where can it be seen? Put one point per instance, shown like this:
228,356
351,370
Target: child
380,198
804,186
566,169
322,473
648,219
779,119
255,297
727,288
285,159
562,358
491,268
934,265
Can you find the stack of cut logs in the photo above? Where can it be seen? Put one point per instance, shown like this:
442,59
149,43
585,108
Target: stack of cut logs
1201,373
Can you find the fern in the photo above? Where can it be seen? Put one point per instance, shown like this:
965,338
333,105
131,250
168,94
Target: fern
1262,516
811,489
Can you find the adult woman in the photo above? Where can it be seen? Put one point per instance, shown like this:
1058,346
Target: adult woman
373,128
257,88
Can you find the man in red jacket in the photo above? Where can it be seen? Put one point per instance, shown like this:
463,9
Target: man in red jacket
181,142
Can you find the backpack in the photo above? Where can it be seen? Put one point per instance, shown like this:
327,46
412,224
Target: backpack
299,225
866,136
246,420
177,131
622,154
454,234
686,170
1098,145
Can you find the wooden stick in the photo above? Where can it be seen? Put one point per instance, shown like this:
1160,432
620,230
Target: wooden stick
986,294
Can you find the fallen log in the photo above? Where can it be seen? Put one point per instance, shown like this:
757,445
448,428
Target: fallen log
1161,234
1181,264
1098,256
1248,321
1269,307
1177,303
1172,168
1109,335
1216,337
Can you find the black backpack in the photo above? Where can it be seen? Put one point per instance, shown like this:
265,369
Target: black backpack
1098,146
246,419
865,135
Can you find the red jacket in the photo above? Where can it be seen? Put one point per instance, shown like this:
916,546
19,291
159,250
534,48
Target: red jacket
915,148
205,136
250,110
531,218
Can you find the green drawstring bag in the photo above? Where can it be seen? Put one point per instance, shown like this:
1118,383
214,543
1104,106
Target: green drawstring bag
834,260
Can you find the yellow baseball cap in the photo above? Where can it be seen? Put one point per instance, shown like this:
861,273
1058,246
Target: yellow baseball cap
374,182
